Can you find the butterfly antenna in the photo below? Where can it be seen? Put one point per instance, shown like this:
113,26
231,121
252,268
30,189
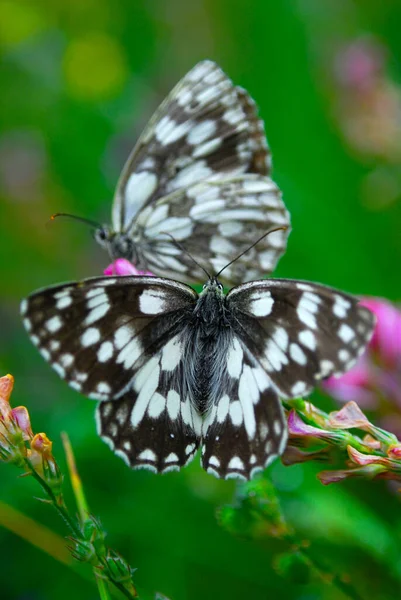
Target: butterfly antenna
187,253
282,228
76,218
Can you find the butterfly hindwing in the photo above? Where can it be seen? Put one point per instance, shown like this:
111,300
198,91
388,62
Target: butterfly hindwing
222,219
154,425
245,429
300,332
93,333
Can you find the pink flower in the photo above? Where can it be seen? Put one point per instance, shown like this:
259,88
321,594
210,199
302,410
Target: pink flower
376,378
121,266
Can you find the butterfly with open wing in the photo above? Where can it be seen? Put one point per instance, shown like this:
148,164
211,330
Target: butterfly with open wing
175,370
200,172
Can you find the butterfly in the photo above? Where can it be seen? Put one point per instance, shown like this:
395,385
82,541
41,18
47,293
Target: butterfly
199,172
175,370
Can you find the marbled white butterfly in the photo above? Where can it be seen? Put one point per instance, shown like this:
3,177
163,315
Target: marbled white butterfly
174,370
199,172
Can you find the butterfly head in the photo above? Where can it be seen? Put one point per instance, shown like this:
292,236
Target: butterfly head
118,244
213,286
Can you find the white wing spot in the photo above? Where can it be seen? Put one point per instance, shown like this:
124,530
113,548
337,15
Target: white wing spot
280,336
147,455
167,131
105,351
130,353
24,306
173,404
236,463
297,354
172,457
214,461
97,313
171,354
344,355
66,360
326,367
103,387
298,388
156,406
308,339
139,188
236,413
222,408
97,300
346,333
341,306
27,324
201,132
63,302
234,359
306,317
122,336
261,304
246,400
54,324
90,337
151,302
145,383
277,426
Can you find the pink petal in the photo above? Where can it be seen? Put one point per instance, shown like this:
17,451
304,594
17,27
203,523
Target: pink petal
121,266
296,426
349,416
386,340
21,417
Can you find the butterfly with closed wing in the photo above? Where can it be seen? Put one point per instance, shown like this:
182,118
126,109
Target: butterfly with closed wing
175,370
199,171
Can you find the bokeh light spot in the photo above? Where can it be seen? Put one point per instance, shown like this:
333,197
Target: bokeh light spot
19,22
94,67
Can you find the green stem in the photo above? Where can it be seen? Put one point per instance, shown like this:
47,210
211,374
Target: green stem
102,587
61,509
82,504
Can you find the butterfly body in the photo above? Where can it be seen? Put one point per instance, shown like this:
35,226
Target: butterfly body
174,370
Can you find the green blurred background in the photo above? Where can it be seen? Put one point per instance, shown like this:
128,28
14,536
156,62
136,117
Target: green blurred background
79,80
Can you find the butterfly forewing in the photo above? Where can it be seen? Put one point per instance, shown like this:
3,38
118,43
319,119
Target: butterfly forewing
96,333
223,218
300,332
205,126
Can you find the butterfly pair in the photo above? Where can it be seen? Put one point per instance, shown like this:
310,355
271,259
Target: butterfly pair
172,369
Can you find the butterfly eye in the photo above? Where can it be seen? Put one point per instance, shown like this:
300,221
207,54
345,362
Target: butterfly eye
219,285
204,286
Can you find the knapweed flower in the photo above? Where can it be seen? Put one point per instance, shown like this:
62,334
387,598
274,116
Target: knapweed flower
375,381
315,435
121,266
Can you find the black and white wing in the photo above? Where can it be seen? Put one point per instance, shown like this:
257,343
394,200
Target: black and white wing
154,424
299,332
245,428
217,220
95,332
118,341
205,126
